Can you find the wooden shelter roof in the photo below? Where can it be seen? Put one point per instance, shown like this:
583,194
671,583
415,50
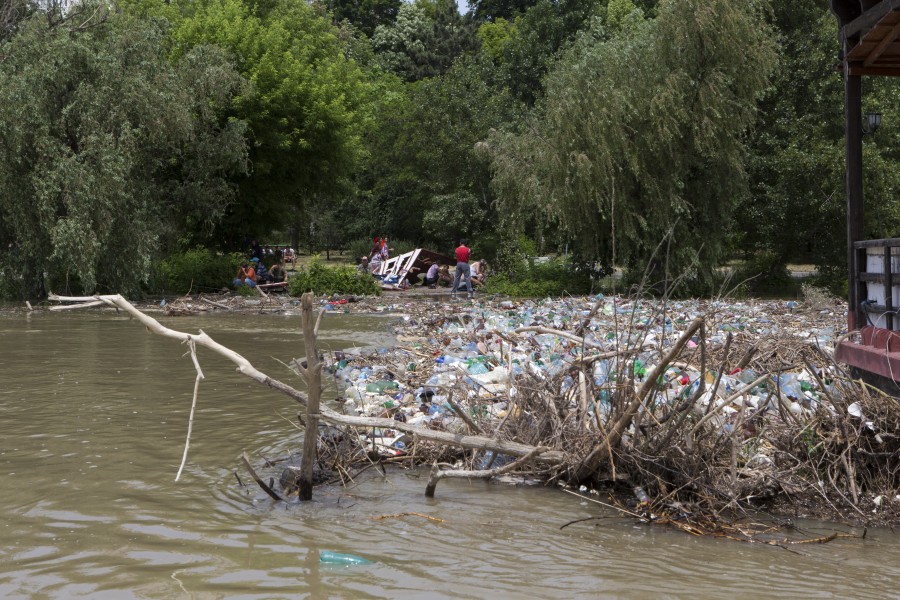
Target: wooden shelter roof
870,35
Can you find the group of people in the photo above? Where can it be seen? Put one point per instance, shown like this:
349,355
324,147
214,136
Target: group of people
469,274
253,272
379,254
272,253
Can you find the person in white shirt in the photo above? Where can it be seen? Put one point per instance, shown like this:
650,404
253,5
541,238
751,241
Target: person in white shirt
431,277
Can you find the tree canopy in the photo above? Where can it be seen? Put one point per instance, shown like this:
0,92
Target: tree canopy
641,132
596,126
108,151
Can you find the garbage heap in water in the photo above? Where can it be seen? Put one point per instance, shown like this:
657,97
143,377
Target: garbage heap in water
748,407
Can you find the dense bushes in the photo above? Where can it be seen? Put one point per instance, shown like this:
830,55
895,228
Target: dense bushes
554,278
322,280
197,270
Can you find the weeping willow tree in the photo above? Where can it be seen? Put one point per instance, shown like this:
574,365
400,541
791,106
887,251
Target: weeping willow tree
107,150
640,135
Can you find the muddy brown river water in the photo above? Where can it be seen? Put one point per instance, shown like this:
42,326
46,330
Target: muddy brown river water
93,414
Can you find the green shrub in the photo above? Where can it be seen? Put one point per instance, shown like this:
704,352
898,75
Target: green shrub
554,278
324,281
197,270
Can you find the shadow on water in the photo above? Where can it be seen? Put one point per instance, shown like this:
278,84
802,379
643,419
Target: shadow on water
94,417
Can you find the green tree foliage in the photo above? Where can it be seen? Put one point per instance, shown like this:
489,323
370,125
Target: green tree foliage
492,10
555,278
640,135
365,15
424,40
534,41
12,13
402,46
108,151
494,37
797,209
195,270
620,12
426,181
307,108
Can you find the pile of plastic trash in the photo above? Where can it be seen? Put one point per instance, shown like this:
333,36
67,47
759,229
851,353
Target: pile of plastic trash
473,357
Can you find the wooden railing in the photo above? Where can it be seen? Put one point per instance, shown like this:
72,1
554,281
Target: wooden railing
860,277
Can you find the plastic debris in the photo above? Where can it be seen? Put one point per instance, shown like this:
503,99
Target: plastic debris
327,557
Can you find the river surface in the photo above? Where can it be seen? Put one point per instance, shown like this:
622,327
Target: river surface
93,417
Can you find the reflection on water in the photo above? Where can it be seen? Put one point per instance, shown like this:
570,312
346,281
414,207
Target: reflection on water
94,416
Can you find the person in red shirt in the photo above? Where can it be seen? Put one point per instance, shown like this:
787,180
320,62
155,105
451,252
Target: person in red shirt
462,268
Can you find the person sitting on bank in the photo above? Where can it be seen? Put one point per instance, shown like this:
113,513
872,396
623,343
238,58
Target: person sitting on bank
363,267
412,276
444,277
276,273
375,264
251,273
262,274
246,275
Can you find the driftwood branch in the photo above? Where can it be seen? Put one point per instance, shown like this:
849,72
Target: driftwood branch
214,303
740,392
437,474
187,441
563,334
258,479
462,414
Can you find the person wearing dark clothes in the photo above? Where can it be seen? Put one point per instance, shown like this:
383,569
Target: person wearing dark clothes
256,250
262,274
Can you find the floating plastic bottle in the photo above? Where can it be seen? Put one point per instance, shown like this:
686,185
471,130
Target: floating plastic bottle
601,372
336,558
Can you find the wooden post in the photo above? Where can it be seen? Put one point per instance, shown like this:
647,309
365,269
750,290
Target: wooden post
854,183
313,375
888,287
